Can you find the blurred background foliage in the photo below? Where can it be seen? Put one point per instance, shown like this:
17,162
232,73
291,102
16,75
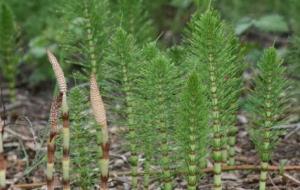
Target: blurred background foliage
259,23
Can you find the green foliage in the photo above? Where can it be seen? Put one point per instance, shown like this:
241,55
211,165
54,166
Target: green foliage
158,88
84,147
123,63
293,69
84,150
123,66
192,128
8,50
134,19
86,31
267,103
214,52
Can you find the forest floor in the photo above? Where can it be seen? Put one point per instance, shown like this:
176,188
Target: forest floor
26,134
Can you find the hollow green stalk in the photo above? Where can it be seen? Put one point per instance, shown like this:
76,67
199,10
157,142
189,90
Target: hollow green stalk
268,107
166,173
231,145
217,147
66,143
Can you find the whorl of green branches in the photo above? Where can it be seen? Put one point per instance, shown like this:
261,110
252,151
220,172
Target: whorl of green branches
214,53
86,32
157,92
123,65
193,129
84,157
268,105
8,51
134,19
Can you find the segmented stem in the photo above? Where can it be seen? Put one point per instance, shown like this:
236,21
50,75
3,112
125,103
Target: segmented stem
192,156
225,148
56,103
217,147
90,37
2,159
132,131
231,143
269,115
66,143
164,141
263,176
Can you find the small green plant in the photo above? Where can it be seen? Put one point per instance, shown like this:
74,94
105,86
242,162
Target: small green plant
8,50
193,129
268,102
158,87
84,158
124,61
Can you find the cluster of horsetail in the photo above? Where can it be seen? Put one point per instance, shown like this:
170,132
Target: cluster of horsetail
181,112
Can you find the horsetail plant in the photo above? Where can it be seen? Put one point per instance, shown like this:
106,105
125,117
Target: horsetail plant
8,58
100,116
268,103
233,88
193,129
84,158
86,34
157,90
2,158
65,117
54,111
214,55
123,63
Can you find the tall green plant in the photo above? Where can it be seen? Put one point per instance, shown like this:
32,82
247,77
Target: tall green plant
233,72
8,50
193,129
124,62
211,49
84,157
267,103
157,88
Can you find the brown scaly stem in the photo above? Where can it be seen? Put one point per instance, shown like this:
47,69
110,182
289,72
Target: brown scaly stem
100,116
56,103
59,74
